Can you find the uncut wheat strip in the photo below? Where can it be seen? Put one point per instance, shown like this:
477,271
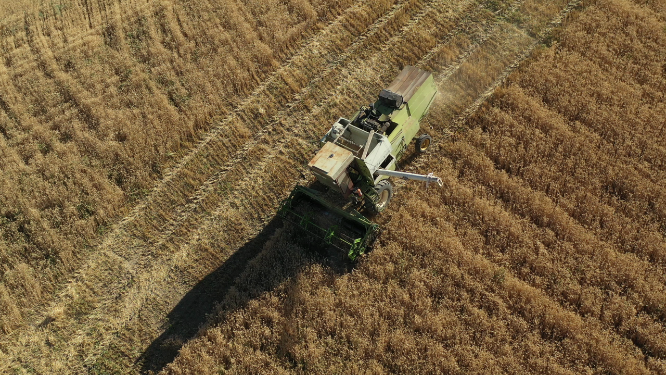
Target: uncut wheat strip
631,56
429,248
534,305
604,123
633,141
423,238
640,328
587,251
569,207
580,140
634,172
516,201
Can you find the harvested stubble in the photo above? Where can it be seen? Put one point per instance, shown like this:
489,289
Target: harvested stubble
98,99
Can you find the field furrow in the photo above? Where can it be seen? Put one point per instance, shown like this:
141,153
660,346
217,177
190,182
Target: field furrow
100,112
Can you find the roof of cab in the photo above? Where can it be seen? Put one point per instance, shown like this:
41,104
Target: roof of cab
408,82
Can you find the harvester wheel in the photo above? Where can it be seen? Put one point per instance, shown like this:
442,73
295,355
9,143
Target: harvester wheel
385,192
423,143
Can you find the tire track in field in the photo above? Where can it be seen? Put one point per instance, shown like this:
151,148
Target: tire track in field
266,91
253,176
241,155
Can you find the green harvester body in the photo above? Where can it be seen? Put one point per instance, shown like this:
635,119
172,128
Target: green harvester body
355,161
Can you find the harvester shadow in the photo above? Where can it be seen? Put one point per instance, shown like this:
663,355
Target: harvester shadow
278,253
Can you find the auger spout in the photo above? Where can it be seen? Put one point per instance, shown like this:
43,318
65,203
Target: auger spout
411,176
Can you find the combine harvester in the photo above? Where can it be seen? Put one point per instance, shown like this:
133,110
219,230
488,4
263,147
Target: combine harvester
356,160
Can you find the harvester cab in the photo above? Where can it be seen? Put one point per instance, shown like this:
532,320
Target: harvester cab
357,158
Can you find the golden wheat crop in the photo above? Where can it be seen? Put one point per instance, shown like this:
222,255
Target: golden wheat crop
191,120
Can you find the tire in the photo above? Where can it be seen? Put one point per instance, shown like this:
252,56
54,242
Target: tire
385,192
423,143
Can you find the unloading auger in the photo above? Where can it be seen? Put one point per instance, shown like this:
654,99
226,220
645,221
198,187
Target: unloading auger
357,158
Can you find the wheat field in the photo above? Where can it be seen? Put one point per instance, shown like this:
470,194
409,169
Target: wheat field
147,144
